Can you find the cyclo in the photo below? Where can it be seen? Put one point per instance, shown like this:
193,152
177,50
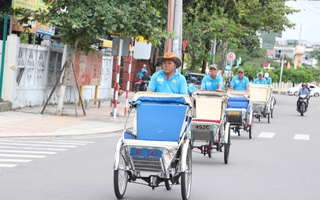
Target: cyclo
239,112
262,101
209,123
157,150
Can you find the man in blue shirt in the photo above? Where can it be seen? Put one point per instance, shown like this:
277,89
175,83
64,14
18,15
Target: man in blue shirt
240,82
268,78
212,81
260,79
168,80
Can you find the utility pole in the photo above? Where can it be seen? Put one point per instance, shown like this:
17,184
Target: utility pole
280,80
4,41
177,28
174,23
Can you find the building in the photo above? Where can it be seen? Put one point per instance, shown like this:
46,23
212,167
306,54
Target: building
299,52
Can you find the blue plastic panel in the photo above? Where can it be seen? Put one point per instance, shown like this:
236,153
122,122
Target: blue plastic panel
237,102
160,122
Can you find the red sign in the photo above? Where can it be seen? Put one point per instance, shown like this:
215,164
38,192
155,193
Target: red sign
88,67
231,56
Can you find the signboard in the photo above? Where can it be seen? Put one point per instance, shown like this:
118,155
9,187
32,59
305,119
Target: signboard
142,50
88,67
125,46
231,56
35,27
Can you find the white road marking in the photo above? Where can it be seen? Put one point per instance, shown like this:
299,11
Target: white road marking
14,160
20,155
32,152
73,141
7,165
266,134
32,148
38,145
301,137
43,142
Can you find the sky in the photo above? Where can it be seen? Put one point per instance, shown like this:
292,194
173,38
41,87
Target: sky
308,20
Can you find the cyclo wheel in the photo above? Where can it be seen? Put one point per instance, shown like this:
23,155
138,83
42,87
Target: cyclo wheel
226,149
186,177
209,148
120,179
250,130
168,184
268,117
271,113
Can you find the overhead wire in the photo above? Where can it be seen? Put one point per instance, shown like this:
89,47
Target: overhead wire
304,6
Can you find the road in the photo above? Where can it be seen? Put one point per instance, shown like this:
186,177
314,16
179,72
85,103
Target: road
279,162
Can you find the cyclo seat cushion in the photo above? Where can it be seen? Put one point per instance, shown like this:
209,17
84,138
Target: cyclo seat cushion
237,102
160,121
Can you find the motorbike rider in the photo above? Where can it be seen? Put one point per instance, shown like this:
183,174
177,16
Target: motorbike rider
145,79
212,81
192,86
143,69
303,91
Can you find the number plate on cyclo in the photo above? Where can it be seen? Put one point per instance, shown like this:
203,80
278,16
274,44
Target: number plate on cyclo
202,127
145,153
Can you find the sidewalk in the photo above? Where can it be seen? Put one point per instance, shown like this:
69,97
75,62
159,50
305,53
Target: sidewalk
28,122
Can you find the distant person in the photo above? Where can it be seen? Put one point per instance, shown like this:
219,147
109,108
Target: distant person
145,80
143,69
212,81
240,82
168,79
268,78
260,79
193,85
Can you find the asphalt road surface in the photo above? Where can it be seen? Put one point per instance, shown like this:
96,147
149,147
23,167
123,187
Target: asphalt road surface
280,162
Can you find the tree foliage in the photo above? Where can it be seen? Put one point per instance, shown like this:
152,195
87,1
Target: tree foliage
233,23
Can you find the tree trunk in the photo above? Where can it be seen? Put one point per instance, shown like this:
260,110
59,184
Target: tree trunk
66,79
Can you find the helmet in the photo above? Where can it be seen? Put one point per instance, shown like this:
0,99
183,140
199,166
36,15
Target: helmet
193,80
266,75
303,85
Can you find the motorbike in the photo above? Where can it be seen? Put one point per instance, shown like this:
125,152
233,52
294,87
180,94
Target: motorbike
302,104
140,85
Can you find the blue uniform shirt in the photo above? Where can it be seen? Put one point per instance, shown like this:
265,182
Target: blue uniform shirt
263,81
177,84
191,88
208,83
269,80
239,84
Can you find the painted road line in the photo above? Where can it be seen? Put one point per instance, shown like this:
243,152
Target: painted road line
7,165
73,141
301,137
266,134
32,152
41,142
38,145
14,160
32,148
22,156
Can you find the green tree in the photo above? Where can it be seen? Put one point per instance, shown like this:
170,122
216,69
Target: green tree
316,54
233,23
81,22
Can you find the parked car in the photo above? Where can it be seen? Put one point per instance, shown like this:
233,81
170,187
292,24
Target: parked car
314,90
199,77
